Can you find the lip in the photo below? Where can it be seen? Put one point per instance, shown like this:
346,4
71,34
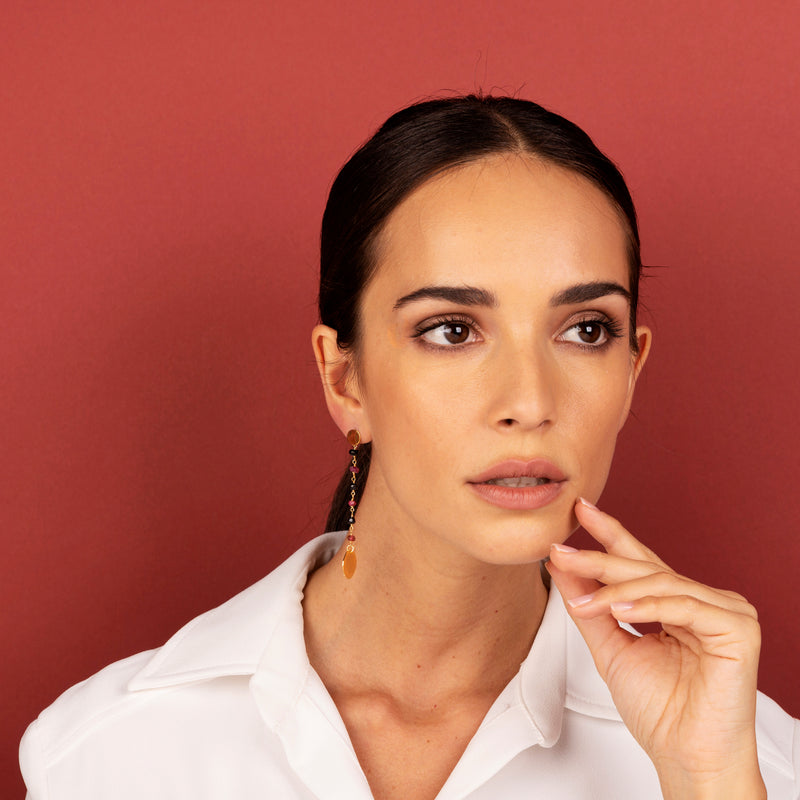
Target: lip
517,468
525,498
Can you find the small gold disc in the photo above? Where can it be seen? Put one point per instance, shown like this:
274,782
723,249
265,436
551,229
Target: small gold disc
353,438
349,563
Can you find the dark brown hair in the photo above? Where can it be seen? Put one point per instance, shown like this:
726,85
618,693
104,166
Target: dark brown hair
411,147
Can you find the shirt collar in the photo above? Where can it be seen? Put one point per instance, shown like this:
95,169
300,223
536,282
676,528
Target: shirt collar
231,639
235,637
247,634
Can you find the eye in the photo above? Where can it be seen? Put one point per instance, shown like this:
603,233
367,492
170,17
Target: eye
446,332
593,333
587,333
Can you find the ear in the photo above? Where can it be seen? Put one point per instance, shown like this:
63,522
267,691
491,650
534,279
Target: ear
644,337
339,382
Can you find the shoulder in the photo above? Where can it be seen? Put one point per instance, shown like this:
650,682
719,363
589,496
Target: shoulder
80,709
163,704
778,737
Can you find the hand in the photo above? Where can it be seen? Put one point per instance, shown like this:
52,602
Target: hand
688,693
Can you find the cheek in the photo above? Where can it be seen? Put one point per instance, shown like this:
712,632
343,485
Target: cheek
412,394
420,418
595,403
598,414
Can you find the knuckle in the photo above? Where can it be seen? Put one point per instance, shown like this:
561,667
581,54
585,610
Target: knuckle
752,631
612,535
752,615
690,606
735,596
597,564
750,610
664,580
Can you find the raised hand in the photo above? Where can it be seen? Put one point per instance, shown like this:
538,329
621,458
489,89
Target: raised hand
688,693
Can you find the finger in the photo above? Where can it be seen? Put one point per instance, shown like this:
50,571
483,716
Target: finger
610,533
628,580
600,566
602,633
720,631
685,638
570,584
619,542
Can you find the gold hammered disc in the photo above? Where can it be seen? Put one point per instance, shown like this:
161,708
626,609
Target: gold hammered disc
349,563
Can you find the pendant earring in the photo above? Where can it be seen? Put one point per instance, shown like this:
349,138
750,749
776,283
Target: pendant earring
349,560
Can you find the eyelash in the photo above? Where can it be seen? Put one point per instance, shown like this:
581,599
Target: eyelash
438,322
611,327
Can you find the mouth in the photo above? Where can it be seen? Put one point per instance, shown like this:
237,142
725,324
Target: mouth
528,473
520,485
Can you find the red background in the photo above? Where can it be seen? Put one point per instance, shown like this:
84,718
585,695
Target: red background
164,169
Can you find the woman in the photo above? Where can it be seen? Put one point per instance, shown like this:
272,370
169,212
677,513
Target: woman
478,349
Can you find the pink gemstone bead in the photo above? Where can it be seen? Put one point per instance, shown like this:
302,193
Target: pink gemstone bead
354,470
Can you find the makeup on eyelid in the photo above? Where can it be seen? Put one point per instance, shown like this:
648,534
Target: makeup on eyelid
609,329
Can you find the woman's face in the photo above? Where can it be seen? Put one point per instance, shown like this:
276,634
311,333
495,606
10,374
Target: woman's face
494,369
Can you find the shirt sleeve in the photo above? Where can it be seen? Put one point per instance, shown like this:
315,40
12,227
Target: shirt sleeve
32,764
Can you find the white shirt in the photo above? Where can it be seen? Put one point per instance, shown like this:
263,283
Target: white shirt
230,707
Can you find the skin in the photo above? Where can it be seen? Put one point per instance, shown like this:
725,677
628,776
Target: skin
448,594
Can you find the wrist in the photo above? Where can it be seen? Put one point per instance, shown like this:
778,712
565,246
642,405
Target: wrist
734,786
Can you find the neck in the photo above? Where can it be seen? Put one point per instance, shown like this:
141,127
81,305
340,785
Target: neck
417,621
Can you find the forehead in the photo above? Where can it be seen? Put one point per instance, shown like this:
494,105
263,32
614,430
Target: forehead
510,220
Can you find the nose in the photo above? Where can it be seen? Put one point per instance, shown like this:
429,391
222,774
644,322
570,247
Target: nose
523,388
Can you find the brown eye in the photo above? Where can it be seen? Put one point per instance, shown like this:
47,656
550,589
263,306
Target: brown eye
449,333
590,332
455,332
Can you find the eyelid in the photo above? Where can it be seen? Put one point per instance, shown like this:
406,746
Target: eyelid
593,315
435,321
432,323
612,327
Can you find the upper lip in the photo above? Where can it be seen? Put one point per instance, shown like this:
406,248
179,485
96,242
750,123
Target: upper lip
517,468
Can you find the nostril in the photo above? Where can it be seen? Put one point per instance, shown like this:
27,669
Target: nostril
507,422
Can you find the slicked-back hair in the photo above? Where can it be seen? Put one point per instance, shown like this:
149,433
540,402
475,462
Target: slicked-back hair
412,146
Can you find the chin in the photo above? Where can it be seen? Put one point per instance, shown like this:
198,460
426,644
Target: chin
525,541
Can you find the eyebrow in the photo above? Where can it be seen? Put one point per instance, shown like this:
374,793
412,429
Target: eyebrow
584,292
460,295
473,296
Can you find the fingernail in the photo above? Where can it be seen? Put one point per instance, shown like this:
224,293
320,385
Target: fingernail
587,503
621,606
564,548
581,601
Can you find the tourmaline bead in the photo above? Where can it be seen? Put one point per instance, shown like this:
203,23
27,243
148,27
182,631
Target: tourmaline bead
354,470
354,452
350,537
351,503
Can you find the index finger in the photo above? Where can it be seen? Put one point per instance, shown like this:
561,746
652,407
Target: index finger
610,533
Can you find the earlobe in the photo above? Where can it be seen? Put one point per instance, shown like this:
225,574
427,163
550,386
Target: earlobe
342,394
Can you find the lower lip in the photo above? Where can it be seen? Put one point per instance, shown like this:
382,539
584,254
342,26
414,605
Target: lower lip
525,498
